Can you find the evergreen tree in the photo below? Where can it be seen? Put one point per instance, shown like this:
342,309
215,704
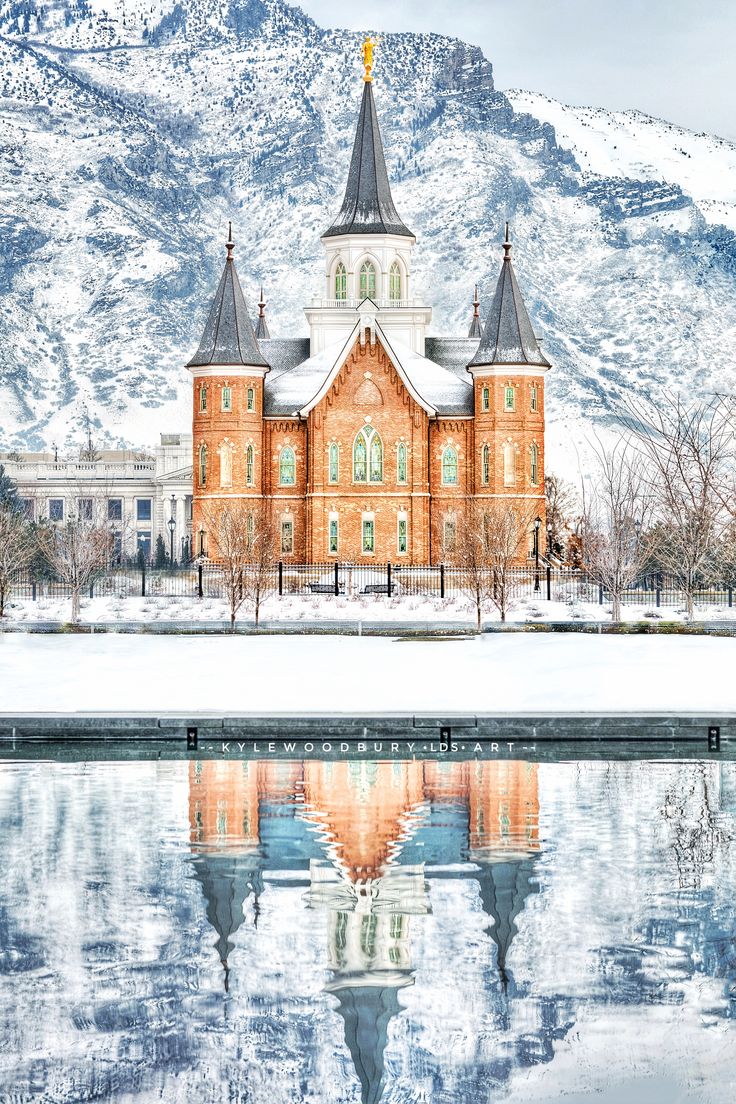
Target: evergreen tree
161,558
9,499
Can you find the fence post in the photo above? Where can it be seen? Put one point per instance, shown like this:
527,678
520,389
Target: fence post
200,581
92,589
388,579
730,597
33,589
549,583
281,578
143,579
659,591
337,579
442,580
600,594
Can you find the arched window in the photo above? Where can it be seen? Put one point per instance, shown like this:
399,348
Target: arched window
227,398
368,457
341,282
449,466
202,465
287,467
334,464
401,463
367,280
250,465
534,464
485,464
394,281
251,399
509,464
203,399
226,465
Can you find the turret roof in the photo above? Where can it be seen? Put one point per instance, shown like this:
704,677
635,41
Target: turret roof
368,207
261,331
508,336
228,336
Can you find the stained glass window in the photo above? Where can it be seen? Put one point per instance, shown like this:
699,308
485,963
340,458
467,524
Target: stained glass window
509,401
287,467
534,400
486,398
202,465
369,534
203,398
334,530
401,464
534,463
402,534
334,463
486,464
367,280
287,537
227,398
368,446
251,399
449,466
394,281
250,457
341,282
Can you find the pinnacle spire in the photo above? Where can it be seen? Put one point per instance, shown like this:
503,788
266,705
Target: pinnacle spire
228,336
262,333
476,326
508,336
368,207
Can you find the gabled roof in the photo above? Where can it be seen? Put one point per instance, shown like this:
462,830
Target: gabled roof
368,207
228,336
508,336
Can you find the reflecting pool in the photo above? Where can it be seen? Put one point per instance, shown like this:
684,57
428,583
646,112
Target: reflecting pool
367,931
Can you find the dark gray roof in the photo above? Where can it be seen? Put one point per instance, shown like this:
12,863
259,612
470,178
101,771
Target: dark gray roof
476,326
261,331
508,337
368,207
228,336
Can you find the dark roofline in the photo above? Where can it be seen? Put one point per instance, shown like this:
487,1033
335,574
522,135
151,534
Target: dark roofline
368,207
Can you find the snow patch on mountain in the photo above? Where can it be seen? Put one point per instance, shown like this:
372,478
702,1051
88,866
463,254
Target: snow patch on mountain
630,144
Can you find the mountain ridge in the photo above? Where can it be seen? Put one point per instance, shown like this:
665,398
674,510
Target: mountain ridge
115,192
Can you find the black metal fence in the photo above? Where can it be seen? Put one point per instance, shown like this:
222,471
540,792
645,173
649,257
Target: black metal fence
348,580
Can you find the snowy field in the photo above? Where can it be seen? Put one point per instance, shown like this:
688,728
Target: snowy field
360,608
504,673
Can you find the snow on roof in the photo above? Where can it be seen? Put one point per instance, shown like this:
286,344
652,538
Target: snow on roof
295,387
440,388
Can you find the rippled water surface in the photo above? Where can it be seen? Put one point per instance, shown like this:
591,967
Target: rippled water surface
397,932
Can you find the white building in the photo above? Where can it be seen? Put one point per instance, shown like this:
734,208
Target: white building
135,493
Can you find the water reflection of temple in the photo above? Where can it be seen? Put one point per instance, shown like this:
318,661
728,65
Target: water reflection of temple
368,840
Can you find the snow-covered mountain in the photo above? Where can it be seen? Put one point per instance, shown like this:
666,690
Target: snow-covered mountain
132,130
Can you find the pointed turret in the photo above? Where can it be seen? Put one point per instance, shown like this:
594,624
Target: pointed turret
367,1011
262,333
368,207
476,326
227,880
508,336
228,336
504,888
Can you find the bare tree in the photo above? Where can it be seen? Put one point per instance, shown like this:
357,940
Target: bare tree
490,543
17,545
689,454
617,518
77,550
562,509
242,540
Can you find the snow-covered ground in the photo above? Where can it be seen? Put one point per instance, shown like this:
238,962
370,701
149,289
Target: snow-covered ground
503,673
360,608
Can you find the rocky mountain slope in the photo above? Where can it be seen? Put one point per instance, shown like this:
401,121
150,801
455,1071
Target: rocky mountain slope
132,130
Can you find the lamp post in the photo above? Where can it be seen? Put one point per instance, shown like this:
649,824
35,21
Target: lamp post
172,529
201,542
537,526
549,539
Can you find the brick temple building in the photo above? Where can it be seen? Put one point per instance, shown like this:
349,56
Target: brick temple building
369,437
